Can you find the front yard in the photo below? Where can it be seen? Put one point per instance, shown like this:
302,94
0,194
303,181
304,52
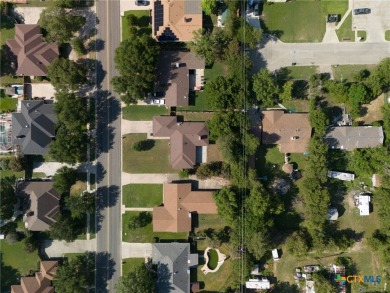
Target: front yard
142,195
130,264
154,160
143,113
142,22
146,234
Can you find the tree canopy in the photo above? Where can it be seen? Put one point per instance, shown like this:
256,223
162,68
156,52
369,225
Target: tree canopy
82,204
209,6
66,75
60,24
8,198
265,88
139,280
64,178
379,79
66,228
135,60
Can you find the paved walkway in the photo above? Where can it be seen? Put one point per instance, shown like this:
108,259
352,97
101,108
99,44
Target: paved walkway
139,250
57,248
136,127
128,178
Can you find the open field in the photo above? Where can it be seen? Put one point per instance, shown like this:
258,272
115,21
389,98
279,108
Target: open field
155,160
146,234
129,264
142,23
289,20
142,113
142,195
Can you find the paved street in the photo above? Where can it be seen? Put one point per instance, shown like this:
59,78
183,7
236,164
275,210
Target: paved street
109,238
275,54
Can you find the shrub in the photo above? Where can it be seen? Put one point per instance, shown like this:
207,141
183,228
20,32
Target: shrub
4,164
142,220
16,163
143,145
208,170
183,174
297,244
31,242
12,237
78,46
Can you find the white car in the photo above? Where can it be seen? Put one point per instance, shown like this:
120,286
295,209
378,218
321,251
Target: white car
158,101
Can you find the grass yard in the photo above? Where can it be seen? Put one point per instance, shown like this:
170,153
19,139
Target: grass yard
7,28
143,20
387,35
301,72
195,116
297,105
362,35
346,72
8,173
289,21
345,32
16,263
6,80
142,113
78,188
214,153
146,234
142,195
268,156
129,264
8,105
155,160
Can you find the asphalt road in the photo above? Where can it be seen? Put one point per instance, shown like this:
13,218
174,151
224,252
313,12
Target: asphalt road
275,54
109,222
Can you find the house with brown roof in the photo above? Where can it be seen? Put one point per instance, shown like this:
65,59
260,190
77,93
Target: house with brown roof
179,202
41,205
187,140
41,282
291,131
176,20
178,72
33,54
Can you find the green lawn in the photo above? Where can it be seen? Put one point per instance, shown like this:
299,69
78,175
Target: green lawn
6,173
198,100
301,72
129,264
7,80
346,72
146,234
142,23
7,29
195,116
142,195
300,21
8,105
362,35
387,35
16,263
345,32
142,113
155,160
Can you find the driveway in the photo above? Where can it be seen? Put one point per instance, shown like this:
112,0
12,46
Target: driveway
30,15
57,248
136,127
374,23
275,54
128,178
41,90
130,5
50,168
136,250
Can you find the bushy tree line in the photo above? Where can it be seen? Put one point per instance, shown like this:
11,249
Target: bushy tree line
66,75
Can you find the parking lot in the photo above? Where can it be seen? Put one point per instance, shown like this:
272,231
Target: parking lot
374,23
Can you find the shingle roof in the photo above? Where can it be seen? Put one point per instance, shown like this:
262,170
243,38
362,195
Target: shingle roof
173,81
44,205
33,54
185,137
291,131
173,261
176,20
34,127
354,137
179,201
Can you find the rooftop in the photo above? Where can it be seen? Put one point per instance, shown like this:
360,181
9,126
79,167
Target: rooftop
364,205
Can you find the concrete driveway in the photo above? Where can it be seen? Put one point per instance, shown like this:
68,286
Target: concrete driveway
148,178
374,23
41,90
30,15
275,54
136,250
136,127
57,248
130,5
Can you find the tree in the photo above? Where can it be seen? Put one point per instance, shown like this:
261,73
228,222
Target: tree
209,6
66,75
135,60
323,282
227,205
358,94
74,275
249,35
224,93
139,280
140,220
379,80
31,242
265,88
12,237
386,121
78,46
286,94
16,163
8,198
257,243
298,244
131,19
72,111
318,121
361,75
60,24
66,228
338,90
80,205
208,170
64,178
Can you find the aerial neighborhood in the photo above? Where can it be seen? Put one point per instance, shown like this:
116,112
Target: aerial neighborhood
194,146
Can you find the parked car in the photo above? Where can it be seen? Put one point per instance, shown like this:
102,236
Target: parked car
142,3
158,101
256,10
361,11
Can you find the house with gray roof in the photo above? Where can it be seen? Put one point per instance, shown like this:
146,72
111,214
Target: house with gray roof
41,205
173,261
354,137
33,127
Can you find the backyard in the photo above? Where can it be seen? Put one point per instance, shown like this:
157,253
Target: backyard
142,23
142,113
289,21
142,195
145,234
8,105
154,160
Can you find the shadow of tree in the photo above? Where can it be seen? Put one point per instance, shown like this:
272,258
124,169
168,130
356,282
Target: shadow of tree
8,275
105,268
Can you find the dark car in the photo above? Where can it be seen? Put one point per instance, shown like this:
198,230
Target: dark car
141,3
361,11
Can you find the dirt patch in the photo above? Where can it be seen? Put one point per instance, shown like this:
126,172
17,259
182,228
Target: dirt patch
372,110
350,200
356,247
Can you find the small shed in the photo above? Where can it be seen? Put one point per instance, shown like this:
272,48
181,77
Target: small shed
333,214
376,180
364,204
275,254
264,283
